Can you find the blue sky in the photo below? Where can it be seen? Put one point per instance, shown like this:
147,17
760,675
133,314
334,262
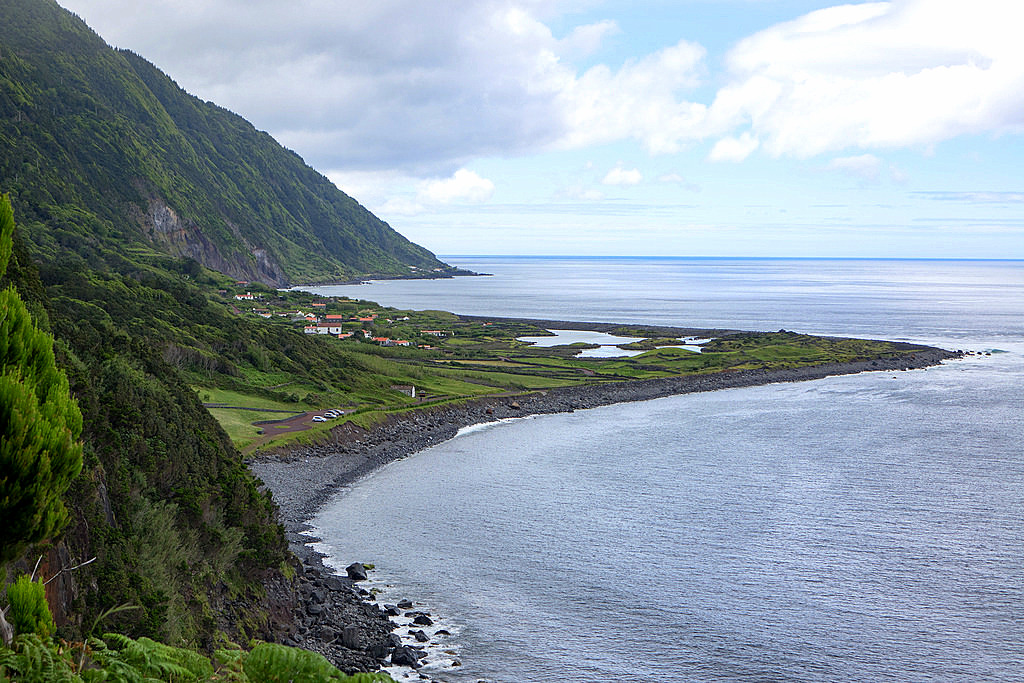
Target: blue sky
683,128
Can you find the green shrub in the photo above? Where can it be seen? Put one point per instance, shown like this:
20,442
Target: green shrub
39,421
28,611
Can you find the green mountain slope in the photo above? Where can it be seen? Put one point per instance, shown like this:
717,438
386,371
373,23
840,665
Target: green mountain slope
101,151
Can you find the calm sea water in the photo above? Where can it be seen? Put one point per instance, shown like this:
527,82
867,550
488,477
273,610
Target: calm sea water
861,528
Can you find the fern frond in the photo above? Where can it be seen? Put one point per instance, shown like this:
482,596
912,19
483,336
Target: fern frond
156,661
272,663
36,660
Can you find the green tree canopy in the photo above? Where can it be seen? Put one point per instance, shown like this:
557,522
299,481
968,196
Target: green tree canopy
40,422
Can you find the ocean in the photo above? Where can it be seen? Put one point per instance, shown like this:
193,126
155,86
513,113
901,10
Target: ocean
856,528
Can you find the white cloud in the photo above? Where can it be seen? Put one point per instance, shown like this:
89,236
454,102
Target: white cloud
864,166
370,187
622,176
399,206
581,192
734,149
403,84
463,186
878,75
638,101
676,179
585,40
424,88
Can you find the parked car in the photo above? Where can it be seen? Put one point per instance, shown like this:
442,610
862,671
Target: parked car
319,418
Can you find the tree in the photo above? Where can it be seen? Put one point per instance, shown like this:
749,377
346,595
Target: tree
40,423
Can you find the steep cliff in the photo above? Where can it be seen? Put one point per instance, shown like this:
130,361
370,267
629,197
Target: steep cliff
104,155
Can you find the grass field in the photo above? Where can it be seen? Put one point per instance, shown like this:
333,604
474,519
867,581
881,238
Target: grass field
477,358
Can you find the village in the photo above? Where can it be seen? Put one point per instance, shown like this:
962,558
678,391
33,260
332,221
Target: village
340,317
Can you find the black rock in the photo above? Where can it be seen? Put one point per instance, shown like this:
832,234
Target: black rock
356,571
351,638
314,609
334,583
394,640
423,620
405,604
379,651
392,611
404,656
442,632
419,635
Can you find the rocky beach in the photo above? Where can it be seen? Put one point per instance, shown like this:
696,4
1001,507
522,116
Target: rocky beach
332,614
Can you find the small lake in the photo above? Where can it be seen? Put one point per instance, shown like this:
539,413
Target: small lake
607,343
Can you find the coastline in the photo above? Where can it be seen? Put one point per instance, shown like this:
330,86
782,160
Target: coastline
363,279
302,479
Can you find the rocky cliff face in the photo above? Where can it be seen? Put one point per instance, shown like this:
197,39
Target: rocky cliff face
170,234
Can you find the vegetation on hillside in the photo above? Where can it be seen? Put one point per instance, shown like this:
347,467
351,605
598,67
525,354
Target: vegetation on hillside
164,503
40,422
100,150
39,456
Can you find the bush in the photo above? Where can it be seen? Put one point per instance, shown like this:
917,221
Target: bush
39,421
28,611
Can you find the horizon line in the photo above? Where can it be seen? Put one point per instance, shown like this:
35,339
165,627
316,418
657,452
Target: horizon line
731,258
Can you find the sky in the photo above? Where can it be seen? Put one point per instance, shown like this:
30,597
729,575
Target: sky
629,128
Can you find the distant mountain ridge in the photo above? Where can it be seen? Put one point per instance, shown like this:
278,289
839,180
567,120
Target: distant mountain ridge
105,157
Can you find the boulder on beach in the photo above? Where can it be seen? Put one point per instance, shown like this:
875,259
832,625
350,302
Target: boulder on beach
404,656
356,571
423,620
